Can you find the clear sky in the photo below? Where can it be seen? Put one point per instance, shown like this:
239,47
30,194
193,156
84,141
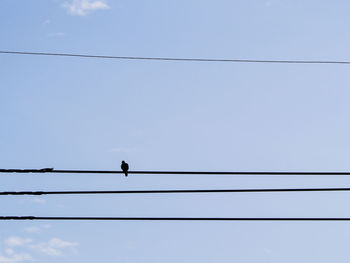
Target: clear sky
74,113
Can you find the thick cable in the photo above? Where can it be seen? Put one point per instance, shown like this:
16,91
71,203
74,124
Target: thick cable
61,218
52,170
178,191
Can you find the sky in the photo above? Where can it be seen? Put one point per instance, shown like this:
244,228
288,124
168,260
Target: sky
79,113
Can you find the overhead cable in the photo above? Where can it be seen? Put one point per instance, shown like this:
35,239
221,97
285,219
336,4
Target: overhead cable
178,191
52,170
176,59
73,218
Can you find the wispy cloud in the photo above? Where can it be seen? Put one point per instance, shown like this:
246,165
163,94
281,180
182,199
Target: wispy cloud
38,200
36,229
13,257
54,247
32,229
84,7
46,22
268,3
17,241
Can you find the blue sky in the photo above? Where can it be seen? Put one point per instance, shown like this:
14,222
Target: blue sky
74,113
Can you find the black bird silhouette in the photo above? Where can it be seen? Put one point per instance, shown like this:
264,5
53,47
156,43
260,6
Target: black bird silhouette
125,168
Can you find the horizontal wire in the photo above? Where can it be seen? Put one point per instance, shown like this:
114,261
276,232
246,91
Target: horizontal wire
176,218
175,191
52,170
176,59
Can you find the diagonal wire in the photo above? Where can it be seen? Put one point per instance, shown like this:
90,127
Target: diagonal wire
175,59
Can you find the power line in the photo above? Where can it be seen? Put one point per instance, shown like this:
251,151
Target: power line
176,59
52,170
175,191
175,218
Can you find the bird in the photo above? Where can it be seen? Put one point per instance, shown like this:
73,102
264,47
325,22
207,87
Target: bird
125,168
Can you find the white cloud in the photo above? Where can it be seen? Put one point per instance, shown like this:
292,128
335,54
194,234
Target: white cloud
15,258
38,200
32,229
17,241
43,248
46,22
9,251
36,229
56,242
84,7
53,247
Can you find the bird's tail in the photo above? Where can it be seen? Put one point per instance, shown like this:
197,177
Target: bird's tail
126,174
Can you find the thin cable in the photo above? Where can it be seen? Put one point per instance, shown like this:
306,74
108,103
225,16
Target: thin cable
175,218
176,59
195,191
52,170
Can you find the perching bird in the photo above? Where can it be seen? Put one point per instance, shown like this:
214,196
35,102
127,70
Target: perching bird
125,168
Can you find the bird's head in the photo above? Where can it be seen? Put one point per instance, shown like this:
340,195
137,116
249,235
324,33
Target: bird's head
123,162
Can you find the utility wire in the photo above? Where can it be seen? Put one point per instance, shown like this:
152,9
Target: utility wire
175,218
52,170
198,191
176,59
